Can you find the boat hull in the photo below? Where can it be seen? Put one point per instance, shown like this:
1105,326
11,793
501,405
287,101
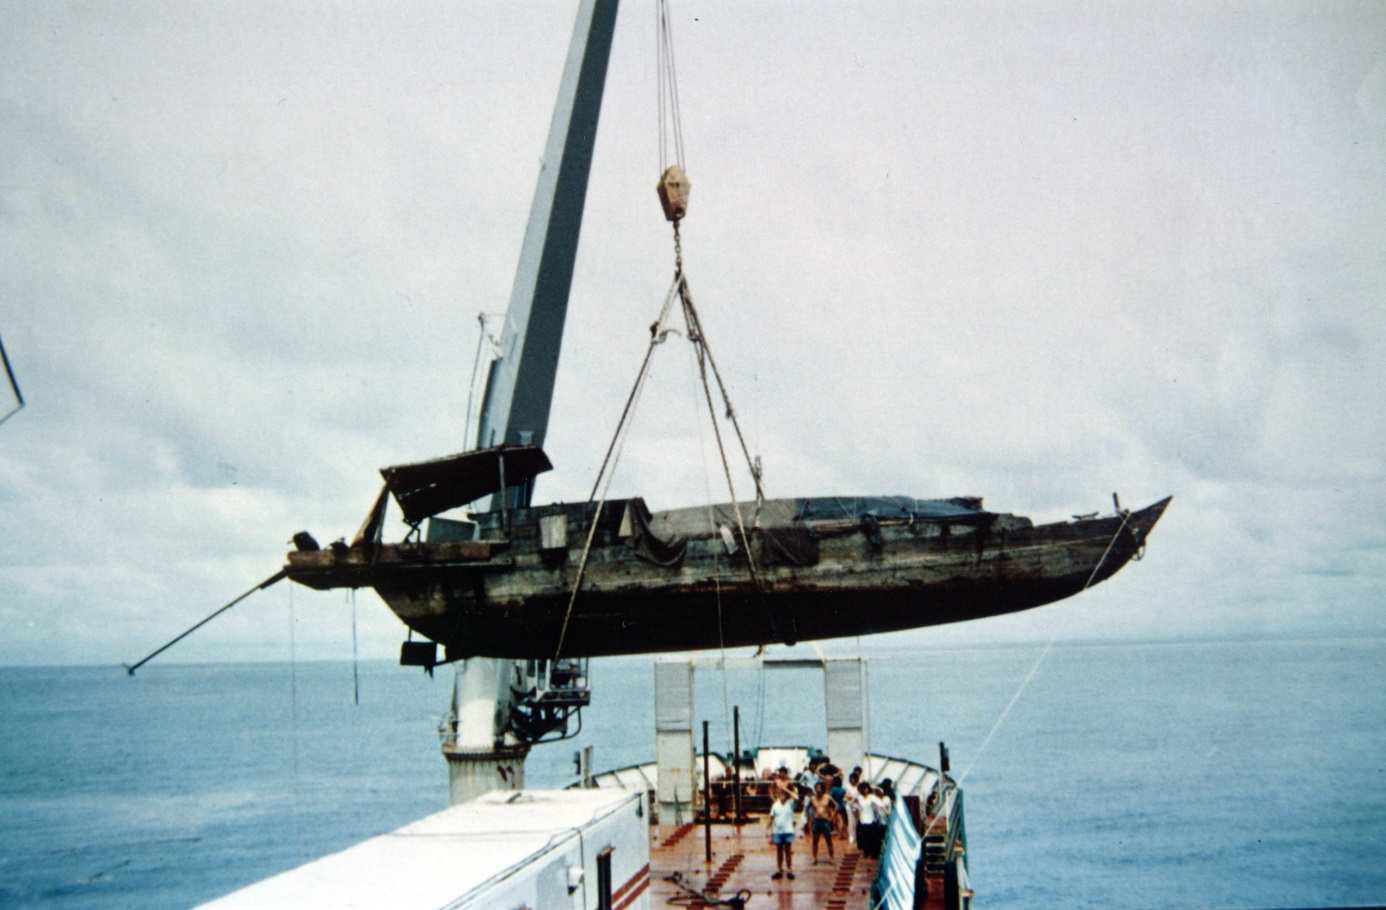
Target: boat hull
493,599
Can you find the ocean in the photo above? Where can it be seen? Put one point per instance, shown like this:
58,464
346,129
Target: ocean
1165,775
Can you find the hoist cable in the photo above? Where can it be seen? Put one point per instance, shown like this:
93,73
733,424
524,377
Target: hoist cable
716,557
14,385
668,86
704,359
695,326
658,333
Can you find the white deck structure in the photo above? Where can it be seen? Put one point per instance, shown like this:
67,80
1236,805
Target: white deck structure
584,849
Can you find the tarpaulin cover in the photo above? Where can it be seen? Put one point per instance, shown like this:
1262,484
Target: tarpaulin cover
850,508
430,487
793,545
635,526
702,521
893,888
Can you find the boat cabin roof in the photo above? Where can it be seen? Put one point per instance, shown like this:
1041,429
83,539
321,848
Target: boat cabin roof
429,487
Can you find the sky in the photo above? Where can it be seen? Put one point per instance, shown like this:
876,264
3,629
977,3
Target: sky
1038,253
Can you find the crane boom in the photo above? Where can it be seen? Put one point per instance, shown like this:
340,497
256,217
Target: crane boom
495,724
519,385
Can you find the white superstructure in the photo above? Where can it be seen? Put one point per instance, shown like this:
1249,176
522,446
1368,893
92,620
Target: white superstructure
540,849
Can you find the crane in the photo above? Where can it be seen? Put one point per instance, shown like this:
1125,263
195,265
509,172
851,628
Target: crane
502,707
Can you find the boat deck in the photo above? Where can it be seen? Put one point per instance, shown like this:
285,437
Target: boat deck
743,859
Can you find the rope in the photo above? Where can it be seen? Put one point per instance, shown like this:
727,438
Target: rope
716,557
355,658
705,358
14,385
482,338
613,455
293,713
1125,517
658,333
731,487
695,328
657,336
668,87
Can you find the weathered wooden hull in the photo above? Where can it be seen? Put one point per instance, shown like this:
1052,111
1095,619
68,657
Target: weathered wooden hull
511,598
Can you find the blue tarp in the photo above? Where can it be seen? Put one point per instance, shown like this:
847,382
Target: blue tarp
893,888
959,508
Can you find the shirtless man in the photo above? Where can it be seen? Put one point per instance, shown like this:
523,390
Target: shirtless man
824,819
780,783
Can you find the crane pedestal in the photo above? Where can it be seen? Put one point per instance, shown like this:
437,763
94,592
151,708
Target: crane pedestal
472,774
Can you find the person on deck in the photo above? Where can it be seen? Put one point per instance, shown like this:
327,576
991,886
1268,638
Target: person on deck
780,783
824,809
782,833
871,827
809,774
852,812
853,804
885,801
827,771
839,795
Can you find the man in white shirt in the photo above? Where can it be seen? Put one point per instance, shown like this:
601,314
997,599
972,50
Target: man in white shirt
874,811
782,834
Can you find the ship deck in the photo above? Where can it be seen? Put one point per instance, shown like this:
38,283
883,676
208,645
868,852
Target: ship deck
743,860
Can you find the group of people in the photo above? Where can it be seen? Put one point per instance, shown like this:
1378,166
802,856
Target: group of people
856,811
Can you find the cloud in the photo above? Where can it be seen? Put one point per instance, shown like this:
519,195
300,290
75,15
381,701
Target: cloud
1038,254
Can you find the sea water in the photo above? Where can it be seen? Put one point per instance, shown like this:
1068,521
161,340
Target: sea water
1221,774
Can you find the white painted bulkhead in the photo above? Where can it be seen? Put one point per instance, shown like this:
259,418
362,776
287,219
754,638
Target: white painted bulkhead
540,849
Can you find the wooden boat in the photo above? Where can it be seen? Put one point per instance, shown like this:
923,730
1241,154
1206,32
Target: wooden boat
592,579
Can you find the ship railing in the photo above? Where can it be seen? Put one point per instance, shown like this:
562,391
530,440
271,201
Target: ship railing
942,826
755,798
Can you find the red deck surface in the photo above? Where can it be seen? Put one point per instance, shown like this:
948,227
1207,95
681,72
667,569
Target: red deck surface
744,858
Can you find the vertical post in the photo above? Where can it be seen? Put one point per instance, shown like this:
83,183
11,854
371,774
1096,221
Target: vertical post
943,770
707,798
674,735
843,701
736,764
